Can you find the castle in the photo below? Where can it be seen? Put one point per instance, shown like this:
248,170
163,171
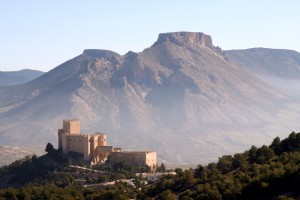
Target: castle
93,147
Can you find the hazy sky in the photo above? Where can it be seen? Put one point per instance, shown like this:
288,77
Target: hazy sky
43,34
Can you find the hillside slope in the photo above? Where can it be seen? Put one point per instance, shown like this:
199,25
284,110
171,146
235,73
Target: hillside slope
278,67
18,77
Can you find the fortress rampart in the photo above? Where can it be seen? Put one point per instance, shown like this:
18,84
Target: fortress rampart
93,147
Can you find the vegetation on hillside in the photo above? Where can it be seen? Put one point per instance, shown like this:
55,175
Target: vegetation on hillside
259,173
268,172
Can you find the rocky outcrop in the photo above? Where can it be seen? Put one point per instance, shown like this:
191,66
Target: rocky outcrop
195,38
191,38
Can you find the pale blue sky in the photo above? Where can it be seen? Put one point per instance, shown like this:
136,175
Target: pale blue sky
43,34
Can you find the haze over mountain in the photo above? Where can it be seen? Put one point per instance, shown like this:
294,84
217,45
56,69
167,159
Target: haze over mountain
278,67
182,97
18,77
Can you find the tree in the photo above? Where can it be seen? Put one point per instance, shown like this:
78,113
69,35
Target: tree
264,154
49,148
189,178
224,164
167,195
11,193
161,168
239,161
276,146
201,173
252,154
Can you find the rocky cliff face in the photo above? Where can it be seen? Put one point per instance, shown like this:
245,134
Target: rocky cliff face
193,38
179,97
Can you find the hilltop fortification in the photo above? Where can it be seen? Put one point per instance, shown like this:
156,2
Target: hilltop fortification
93,147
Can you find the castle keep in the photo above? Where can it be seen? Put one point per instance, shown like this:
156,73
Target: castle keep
93,147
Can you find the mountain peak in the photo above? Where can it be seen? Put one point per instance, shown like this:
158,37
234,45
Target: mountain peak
196,38
99,53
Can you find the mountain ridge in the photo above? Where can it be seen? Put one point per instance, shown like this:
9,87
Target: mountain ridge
280,58
18,77
278,67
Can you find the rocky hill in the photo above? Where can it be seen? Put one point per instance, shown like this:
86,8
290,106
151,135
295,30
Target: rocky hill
180,96
18,77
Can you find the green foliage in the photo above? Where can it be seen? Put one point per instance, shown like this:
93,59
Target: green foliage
259,173
167,195
264,154
161,168
44,169
268,172
225,163
276,145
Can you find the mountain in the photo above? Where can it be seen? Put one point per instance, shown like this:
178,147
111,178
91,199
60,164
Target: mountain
18,77
9,153
278,67
182,97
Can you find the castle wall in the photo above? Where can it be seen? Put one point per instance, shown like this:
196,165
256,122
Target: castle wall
96,140
64,143
101,139
102,152
93,147
86,148
151,159
135,158
60,132
85,144
75,143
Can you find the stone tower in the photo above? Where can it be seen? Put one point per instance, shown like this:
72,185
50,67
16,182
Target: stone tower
71,126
